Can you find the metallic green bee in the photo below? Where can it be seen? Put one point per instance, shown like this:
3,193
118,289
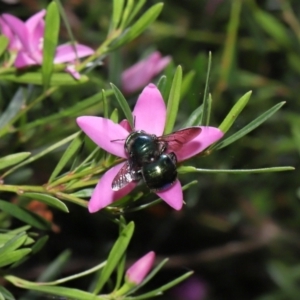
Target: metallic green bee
152,158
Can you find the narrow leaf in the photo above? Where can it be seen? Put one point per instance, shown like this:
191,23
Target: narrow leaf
68,154
190,169
15,105
117,13
11,257
39,244
7,294
13,159
24,215
42,153
195,117
49,200
187,82
57,79
273,27
50,42
173,101
115,255
3,43
136,9
248,128
14,243
123,104
205,113
73,110
139,26
55,267
53,290
164,287
127,12
234,112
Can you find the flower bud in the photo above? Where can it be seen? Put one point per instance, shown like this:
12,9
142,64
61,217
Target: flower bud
138,271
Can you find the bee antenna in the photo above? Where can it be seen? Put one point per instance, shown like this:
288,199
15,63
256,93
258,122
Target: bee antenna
117,140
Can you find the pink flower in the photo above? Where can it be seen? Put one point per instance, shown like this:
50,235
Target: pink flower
139,270
150,115
27,38
192,289
140,74
14,43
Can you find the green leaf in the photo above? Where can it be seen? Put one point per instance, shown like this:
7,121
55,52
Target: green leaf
105,104
248,128
162,84
13,159
5,237
39,244
57,79
53,290
68,154
273,27
86,193
14,243
191,169
187,82
234,112
206,102
123,104
136,9
127,11
173,101
55,268
24,215
50,41
15,105
164,287
13,256
7,294
49,200
3,43
115,255
71,111
139,26
42,153
195,117
118,6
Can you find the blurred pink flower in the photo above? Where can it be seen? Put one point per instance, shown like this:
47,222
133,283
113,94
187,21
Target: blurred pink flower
27,38
150,115
139,270
191,289
141,73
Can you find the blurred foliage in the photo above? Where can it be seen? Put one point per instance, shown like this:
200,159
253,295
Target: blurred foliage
238,232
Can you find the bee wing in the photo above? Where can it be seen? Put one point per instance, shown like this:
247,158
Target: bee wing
177,139
123,177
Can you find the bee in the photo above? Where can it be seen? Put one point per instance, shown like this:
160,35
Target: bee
152,159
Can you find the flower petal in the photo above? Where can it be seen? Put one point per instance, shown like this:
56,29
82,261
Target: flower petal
69,53
173,196
23,60
18,28
103,195
14,44
150,111
125,124
208,136
161,64
35,27
72,71
102,132
141,73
